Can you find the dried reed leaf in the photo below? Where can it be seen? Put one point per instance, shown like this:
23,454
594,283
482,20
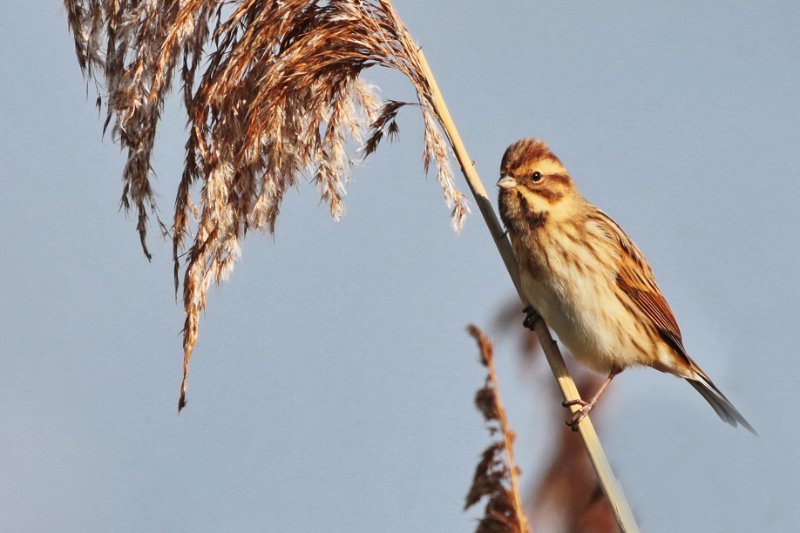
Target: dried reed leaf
272,91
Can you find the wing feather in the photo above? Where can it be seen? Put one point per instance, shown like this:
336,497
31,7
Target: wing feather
636,280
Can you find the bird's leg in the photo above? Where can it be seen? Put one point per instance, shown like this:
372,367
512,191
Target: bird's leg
531,317
581,413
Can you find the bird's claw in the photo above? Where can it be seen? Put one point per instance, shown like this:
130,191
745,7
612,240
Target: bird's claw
531,317
577,417
570,403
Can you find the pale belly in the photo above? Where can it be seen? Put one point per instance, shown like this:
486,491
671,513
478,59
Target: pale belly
590,320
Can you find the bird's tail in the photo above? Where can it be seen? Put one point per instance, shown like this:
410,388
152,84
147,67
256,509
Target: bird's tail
718,401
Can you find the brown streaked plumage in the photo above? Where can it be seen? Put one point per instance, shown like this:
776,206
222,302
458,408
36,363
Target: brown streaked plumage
588,280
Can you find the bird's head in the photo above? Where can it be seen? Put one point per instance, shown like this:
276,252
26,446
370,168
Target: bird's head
534,185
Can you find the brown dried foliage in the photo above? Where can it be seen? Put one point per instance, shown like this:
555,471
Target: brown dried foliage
272,90
497,475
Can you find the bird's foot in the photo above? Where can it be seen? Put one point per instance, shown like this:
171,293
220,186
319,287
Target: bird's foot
531,317
570,403
575,419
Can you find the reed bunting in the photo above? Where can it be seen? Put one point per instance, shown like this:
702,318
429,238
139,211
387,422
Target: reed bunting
590,283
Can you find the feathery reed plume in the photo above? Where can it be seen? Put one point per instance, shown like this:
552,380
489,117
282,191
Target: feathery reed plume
279,95
497,475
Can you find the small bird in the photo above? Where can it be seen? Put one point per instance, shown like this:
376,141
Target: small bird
590,283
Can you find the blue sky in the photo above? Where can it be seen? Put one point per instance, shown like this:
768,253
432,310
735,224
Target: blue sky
332,385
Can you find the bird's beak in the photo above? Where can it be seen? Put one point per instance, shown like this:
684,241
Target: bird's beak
507,182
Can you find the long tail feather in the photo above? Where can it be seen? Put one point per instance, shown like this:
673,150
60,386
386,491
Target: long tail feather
720,403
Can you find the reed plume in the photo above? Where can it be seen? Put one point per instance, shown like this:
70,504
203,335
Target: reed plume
497,474
272,91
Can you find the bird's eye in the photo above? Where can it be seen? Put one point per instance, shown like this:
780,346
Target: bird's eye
536,177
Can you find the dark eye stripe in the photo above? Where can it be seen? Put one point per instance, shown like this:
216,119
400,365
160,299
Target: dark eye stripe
561,178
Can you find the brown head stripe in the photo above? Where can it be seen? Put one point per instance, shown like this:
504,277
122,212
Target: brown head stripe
524,152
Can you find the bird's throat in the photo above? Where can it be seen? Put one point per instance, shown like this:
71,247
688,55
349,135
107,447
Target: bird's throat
528,217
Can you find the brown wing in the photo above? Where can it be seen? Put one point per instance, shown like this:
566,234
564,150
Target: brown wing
635,278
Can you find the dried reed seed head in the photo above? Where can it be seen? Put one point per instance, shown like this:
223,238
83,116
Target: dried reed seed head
496,475
489,475
278,96
486,402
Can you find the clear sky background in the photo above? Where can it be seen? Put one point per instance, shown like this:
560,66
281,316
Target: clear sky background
332,385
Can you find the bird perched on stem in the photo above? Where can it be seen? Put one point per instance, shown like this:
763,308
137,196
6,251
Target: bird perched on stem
590,283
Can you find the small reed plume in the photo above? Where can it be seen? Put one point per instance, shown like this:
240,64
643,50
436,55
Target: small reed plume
497,475
273,91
